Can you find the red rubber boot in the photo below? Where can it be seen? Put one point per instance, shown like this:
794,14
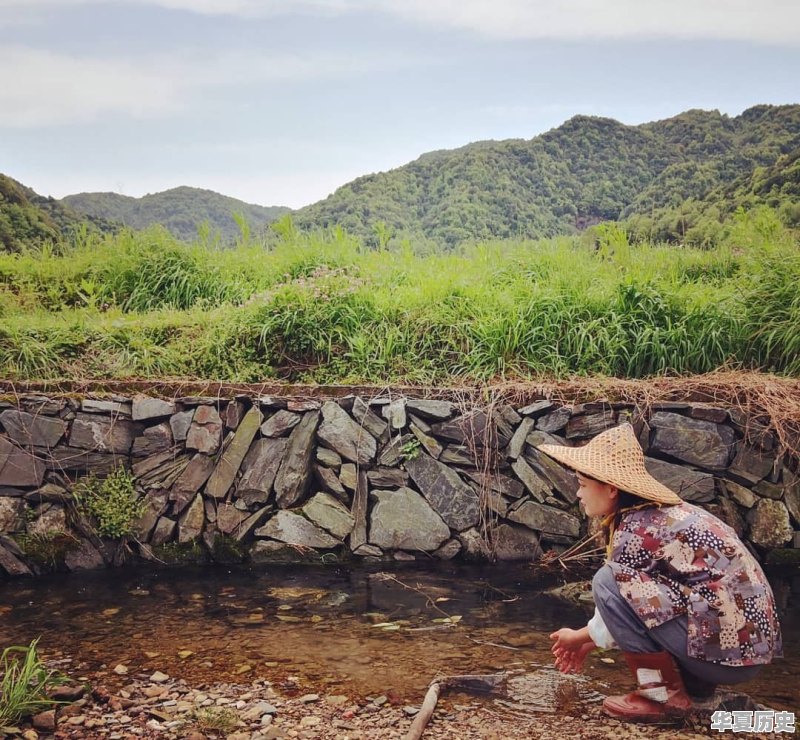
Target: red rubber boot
661,696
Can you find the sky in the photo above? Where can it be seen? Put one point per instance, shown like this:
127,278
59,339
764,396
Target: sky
279,102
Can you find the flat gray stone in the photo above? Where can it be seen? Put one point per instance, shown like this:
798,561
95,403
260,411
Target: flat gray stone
691,485
259,468
471,428
294,472
562,479
457,455
163,531
697,442
329,481
84,557
328,458
454,500
376,426
190,523
497,482
513,543
153,440
403,520
101,434
145,407
431,445
342,434
554,421
432,410
191,481
225,472
475,547
589,425
546,519
28,430
387,477
740,494
155,506
537,408
448,550
293,529
179,424
390,455
769,524
113,408
70,459
12,564
205,431
18,467
234,413
358,509
303,404
280,423
326,512
229,518
517,443
348,476
750,465
531,480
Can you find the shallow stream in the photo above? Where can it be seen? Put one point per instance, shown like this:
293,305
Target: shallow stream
360,632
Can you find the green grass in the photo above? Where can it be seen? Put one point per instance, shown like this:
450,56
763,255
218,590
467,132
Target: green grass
24,683
323,308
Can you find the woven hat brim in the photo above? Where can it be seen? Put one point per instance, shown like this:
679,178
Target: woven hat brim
640,484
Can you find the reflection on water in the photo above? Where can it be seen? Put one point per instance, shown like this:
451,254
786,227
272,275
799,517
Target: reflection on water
355,631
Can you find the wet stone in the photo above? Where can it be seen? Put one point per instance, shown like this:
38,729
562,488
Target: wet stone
163,531
512,543
190,524
84,557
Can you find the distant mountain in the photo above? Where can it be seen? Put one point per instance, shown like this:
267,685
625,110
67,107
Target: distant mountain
181,210
30,219
586,171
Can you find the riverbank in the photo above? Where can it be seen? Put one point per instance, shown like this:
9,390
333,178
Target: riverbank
163,707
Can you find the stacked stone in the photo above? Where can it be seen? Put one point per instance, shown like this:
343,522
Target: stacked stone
383,477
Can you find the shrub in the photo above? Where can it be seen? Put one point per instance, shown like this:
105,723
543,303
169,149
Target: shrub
112,502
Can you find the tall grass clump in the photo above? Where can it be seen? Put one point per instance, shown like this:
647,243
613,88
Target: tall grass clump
25,683
322,307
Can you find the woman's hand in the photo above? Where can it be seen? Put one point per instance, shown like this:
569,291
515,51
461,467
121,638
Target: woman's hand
570,649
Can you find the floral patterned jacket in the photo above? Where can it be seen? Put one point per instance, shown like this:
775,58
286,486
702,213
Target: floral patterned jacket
675,560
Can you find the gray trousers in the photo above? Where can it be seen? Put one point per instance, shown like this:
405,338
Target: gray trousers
632,636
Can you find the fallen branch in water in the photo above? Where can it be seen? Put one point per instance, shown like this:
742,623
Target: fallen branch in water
484,684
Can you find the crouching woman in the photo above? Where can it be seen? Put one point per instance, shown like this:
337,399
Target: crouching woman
679,594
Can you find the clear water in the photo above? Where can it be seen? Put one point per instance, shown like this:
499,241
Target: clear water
358,632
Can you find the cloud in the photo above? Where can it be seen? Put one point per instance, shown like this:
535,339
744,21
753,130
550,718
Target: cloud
765,21
44,88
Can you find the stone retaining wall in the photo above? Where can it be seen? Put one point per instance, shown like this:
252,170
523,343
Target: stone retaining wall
271,478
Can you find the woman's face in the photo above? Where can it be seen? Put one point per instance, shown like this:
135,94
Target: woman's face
598,499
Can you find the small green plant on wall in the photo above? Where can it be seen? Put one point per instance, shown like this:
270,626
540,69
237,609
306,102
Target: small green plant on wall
111,502
410,450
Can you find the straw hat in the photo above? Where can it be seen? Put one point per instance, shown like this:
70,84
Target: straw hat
615,457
